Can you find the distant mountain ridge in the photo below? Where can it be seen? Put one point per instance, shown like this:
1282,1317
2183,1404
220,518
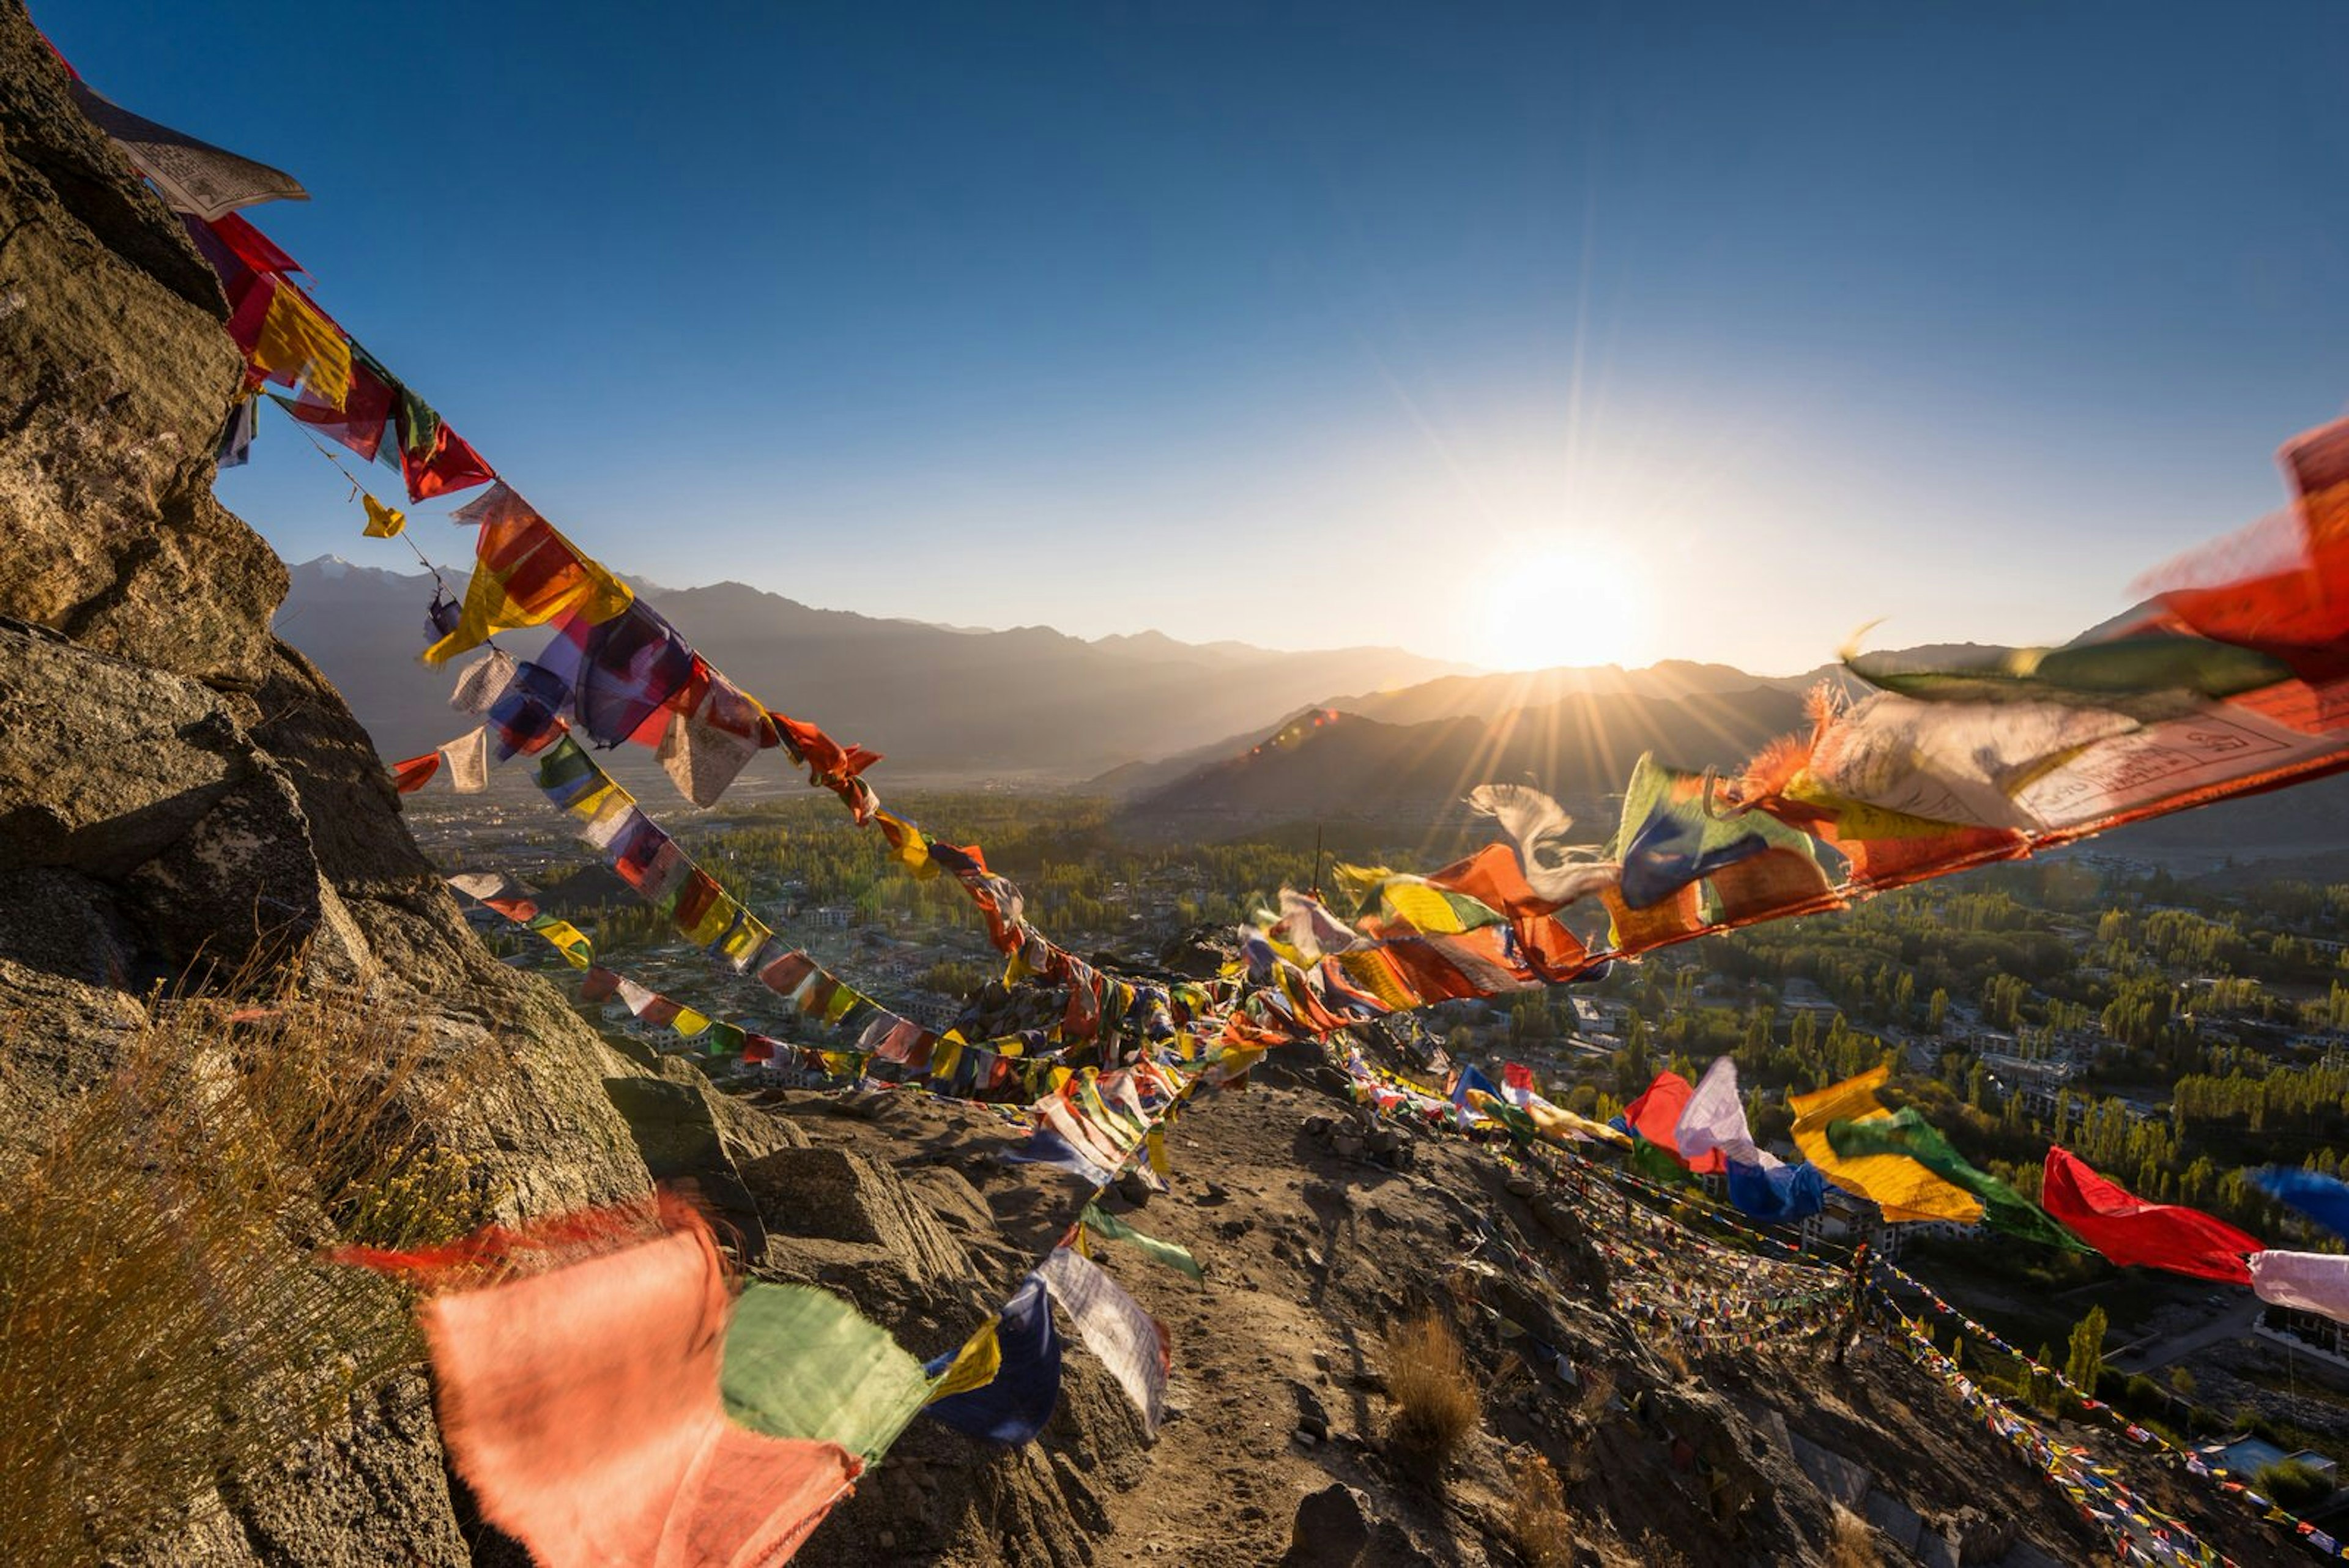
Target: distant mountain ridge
1581,748
1028,702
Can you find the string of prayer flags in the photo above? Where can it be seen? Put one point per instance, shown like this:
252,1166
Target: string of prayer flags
803,1363
2128,1231
1103,1223
2322,1197
1903,1188
1127,1339
582,1404
1013,1405
1906,1134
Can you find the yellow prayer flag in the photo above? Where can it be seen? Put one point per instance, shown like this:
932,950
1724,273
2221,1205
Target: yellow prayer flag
526,573
1426,908
569,941
297,343
973,1366
1903,1188
382,522
715,922
743,942
688,1024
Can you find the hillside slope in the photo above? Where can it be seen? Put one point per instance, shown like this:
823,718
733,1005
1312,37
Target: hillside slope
1671,1451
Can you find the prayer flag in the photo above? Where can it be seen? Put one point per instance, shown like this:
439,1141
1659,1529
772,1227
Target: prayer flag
192,176
582,1407
974,1366
1776,1193
1166,1253
296,345
382,522
2304,1282
1012,1407
1129,1342
526,575
2128,1230
413,775
1907,1134
803,1363
481,684
1903,1188
468,762
1655,1115
622,669
703,751
2321,1197
1670,838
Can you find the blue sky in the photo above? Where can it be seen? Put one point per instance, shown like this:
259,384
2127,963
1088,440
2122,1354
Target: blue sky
1513,335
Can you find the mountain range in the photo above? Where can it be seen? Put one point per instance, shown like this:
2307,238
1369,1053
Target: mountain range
1027,703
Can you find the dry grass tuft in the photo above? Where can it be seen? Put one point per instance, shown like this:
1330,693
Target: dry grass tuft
1598,1389
1539,1521
163,1323
1851,1543
1427,1379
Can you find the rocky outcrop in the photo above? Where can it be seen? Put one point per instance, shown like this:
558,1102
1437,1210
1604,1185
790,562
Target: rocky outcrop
183,799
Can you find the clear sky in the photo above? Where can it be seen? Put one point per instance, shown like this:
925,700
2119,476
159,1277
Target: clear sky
1519,335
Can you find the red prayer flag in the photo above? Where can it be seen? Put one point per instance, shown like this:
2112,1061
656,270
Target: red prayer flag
413,775
1655,1115
2128,1230
452,465
582,1404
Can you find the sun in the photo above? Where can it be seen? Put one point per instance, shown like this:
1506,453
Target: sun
1557,604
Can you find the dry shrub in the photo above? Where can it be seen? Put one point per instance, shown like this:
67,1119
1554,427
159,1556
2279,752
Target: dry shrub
1668,1351
1851,1543
1539,1521
163,1325
1598,1389
1427,1379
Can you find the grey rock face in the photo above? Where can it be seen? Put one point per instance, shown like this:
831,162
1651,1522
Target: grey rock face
182,796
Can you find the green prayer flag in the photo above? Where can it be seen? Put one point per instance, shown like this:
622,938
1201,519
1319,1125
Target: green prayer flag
804,1362
1151,1247
2145,675
1655,1162
1907,1134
